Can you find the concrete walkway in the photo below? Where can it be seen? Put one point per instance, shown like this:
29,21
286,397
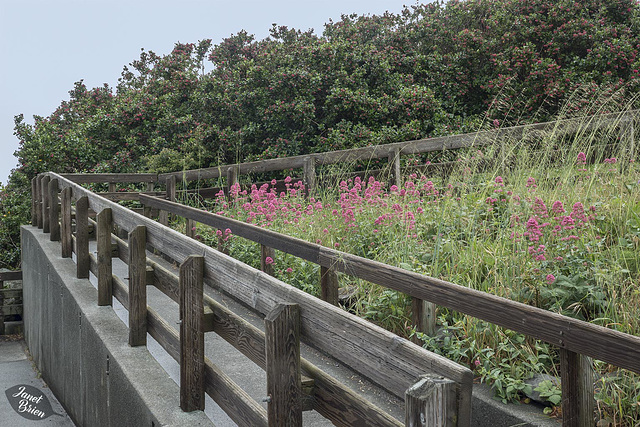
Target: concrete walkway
16,369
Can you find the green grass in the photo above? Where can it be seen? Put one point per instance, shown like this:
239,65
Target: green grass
476,228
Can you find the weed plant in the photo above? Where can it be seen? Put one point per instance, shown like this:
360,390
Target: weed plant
551,221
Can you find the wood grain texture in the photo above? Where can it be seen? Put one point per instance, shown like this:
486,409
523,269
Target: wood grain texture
45,203
240,407
329,285
576,372
65,223
423,316
309,173
104,178
431,402
266,252
82,237
191,335
394,166
138,286
54,211
105,268
282,349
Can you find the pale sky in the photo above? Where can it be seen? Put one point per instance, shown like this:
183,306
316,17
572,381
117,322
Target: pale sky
47,45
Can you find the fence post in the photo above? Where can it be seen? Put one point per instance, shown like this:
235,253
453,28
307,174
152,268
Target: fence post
190,228
431,402
232,177
266,252
105,267
309,175
282,348
112,187
38,198
328,285
65,226
576,375
34,202
54,211
82,237
191,334
423,316
394,163
138,286
45,204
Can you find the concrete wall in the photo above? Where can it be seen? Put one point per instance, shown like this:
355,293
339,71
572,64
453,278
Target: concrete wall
82,350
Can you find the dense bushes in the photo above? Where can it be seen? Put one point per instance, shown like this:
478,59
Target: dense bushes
433,69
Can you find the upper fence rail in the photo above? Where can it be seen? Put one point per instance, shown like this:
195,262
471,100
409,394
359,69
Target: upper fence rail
406,147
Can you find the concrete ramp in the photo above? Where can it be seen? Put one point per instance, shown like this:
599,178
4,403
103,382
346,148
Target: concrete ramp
82,349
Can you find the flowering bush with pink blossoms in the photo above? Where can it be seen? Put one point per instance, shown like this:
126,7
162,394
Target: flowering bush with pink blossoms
525,236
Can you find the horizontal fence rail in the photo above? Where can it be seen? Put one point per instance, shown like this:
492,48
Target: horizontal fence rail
386,359
616,348
392,151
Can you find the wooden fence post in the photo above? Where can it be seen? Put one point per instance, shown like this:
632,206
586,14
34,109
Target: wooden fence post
576,374
82,237
54,211
423,317
34,202
394,163
309,175
138,286
45,204
266,252
190,228
431,402
328,285
282,351
65,226
38,197
232,177
105,266
192,334
112,187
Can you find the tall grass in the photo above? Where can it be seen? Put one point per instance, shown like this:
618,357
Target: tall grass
551,220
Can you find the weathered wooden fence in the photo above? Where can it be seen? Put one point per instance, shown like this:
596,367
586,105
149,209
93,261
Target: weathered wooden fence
10,299
576,340
392,152
291,316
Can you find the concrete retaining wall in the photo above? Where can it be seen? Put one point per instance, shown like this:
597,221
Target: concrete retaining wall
82,350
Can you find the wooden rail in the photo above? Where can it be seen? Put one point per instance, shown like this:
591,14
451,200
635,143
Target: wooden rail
393,151
386,359
5,294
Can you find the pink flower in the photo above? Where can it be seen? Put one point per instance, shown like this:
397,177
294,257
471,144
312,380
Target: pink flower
551,278
582,158
268,260
289,270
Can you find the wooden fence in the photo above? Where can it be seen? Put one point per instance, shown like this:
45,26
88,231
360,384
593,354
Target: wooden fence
6,295
576,340
291,316
392,152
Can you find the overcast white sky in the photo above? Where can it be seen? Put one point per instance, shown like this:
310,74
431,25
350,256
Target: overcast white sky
47,45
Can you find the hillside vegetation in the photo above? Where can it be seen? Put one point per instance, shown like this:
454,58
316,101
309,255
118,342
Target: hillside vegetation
558,228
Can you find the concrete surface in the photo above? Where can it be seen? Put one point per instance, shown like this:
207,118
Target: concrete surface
82,350
17,369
